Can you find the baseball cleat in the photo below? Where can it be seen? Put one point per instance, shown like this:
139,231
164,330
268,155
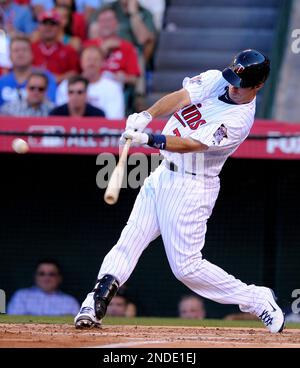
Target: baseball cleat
272,315
86,319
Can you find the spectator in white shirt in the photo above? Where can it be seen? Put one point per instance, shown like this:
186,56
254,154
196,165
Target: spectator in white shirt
104,92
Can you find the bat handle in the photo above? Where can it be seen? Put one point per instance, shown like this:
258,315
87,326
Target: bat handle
124,154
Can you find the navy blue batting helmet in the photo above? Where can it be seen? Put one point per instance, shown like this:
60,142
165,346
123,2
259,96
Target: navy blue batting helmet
249,68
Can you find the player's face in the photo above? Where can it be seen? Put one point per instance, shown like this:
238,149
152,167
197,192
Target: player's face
47,277
243,95
21,54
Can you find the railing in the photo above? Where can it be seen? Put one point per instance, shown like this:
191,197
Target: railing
268,139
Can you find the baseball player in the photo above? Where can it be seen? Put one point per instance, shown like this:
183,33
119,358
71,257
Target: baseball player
212,115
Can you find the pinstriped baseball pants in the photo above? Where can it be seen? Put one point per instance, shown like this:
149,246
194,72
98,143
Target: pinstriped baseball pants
177,207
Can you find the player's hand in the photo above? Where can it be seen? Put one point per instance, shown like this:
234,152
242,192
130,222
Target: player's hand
137,137
138,121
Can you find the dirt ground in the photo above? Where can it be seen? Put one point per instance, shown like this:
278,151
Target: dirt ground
63,335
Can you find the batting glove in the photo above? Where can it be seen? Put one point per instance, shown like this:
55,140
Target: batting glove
138,121
137,137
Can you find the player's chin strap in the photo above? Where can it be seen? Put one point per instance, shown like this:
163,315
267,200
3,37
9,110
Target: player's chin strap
105,289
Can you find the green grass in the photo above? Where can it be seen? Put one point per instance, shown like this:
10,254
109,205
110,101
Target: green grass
140,321
4,318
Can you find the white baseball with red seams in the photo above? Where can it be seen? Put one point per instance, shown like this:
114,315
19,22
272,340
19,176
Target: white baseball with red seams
177,205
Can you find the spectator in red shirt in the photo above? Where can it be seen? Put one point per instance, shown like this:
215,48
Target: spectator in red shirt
49,53
102,92
78,23
121,56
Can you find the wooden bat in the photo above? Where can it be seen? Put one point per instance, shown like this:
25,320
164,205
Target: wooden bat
111,194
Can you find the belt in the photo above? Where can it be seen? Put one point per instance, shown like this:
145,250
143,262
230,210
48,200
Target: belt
173,167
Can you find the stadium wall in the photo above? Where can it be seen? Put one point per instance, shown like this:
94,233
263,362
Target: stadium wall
51,207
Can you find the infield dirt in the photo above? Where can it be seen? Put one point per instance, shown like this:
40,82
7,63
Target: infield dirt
65,335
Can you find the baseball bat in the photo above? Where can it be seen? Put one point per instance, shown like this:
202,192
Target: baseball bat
111,194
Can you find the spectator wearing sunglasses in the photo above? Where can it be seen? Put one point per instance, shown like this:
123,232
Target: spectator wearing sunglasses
35,103
13,84
77,105
44,298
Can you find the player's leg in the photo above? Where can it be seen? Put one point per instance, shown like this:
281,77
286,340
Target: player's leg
183,227
212,282
142,227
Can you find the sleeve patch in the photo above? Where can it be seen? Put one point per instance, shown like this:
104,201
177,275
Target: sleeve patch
220,134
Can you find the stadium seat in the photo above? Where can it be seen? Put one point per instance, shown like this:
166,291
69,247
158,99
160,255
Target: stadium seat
199,35
265,3
224,17
216,39
196,60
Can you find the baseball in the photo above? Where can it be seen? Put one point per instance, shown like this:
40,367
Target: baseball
20,146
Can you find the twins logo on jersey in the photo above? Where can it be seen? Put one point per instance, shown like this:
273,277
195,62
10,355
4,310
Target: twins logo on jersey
190,116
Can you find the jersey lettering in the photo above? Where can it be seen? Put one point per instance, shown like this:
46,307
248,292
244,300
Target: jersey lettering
192,116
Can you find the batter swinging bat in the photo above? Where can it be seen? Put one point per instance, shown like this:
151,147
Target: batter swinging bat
115,182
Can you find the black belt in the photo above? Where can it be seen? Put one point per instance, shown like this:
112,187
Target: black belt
173,167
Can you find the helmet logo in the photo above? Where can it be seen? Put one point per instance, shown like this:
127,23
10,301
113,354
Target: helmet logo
239,68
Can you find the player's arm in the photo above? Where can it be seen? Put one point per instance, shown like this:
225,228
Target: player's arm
167,105
165,142
178,144
170,103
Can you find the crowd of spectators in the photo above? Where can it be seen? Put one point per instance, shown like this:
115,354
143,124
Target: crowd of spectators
108,45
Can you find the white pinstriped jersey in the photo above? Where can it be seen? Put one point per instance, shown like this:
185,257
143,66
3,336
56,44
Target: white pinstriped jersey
219,125
177,207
